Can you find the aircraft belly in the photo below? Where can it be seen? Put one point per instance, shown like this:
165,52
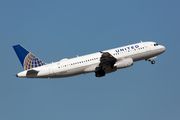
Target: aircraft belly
70,72
144,55
90,68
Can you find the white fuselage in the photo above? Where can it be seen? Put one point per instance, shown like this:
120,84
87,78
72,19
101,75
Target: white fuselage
88,63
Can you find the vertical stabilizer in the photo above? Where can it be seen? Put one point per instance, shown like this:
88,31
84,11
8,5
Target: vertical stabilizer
27,59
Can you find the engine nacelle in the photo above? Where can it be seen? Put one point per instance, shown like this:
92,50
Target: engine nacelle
126,62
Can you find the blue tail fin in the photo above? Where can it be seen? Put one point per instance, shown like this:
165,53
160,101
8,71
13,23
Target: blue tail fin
27,59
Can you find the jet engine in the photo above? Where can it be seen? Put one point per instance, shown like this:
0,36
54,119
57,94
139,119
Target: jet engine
123,63
126,62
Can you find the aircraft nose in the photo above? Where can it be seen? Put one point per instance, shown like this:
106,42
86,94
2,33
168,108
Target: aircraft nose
163,49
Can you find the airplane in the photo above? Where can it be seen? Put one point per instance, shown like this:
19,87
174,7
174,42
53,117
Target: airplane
102,62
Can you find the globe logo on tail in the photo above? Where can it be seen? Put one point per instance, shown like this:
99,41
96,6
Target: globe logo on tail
31,61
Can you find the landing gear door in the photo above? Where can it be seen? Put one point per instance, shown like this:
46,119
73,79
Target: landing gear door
147,47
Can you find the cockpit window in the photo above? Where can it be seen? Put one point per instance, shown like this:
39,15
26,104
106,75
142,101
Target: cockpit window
156,44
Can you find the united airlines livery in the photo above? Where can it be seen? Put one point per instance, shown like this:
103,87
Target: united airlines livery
101,63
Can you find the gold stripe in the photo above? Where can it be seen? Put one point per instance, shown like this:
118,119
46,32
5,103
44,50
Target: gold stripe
37,62
29,60
34,63
31,64
40,62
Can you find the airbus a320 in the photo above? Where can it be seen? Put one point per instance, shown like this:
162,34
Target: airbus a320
101,63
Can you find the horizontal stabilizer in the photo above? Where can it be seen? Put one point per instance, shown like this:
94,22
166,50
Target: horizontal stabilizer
32,71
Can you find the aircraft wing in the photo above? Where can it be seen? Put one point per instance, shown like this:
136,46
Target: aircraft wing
106,61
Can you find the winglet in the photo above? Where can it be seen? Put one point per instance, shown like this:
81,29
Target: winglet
100,51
